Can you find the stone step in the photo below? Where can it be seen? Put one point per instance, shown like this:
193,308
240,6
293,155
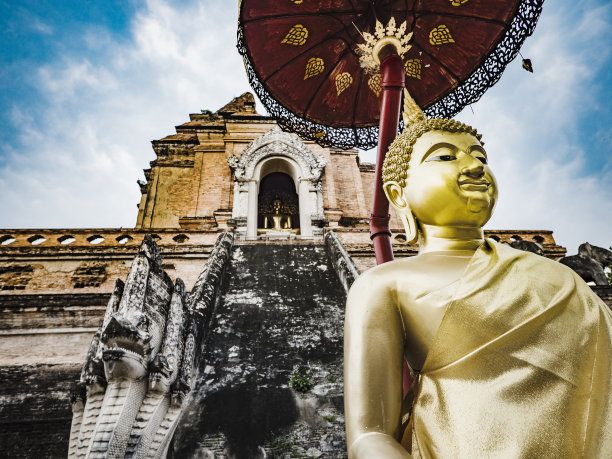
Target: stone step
281,309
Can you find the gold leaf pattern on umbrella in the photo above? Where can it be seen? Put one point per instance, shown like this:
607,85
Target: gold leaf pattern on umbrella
375,84
314,66
458,2
297,36
440,35
297,2
413,67
343,81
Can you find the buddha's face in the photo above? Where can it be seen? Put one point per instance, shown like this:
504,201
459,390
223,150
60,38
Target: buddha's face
448,183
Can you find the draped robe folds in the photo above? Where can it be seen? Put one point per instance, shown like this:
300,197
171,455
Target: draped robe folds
520,366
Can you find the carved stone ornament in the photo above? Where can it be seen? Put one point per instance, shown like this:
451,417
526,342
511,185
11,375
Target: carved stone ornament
275,142
233,161
137,370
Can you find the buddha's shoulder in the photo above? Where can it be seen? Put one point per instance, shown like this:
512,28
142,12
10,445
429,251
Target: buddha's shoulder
386,276
394,268
534,264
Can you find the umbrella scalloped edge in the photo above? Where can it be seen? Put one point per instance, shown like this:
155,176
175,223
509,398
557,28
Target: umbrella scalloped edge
469,91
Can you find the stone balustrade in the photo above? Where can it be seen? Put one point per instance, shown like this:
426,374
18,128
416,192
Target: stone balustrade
101,237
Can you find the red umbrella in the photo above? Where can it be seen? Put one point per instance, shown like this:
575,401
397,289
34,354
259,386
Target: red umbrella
303,61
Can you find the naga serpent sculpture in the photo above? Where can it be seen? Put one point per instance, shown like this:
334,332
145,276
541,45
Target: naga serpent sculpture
137,370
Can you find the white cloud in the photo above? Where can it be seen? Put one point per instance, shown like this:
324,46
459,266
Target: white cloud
82,150
38,25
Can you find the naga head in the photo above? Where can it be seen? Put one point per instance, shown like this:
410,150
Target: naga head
126,346
132,333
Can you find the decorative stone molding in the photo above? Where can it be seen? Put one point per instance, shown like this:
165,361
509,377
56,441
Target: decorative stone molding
341,261
333,216
202,298
221,217
14,240
275,142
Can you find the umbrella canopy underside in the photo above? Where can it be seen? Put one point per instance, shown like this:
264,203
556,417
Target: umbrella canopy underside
302,58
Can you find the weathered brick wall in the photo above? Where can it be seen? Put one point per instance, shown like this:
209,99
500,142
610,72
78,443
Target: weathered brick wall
49,311
367,171
216,185
88,265
176,195
66,275
53,295
347,184
35,413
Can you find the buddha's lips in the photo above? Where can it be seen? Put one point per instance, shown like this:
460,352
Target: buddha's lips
474,185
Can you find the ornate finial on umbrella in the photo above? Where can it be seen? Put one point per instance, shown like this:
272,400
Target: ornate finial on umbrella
526,63
412,113
388,35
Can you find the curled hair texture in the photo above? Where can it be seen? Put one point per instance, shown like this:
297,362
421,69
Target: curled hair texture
395,167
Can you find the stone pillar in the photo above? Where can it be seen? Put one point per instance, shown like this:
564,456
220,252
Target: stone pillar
305,208
252,211
319,188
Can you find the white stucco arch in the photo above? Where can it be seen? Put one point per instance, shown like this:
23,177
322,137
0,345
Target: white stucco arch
277,151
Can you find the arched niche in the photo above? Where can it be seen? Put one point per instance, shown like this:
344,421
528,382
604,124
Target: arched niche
278,203
277,151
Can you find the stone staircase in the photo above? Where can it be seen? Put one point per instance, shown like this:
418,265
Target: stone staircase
280,310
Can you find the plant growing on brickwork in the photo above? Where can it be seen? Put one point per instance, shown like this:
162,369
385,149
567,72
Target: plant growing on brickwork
330,418
279,446
301,382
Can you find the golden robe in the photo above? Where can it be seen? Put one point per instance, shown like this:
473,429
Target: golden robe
520,366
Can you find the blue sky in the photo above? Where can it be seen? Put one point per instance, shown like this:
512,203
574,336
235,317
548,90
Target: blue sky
87,84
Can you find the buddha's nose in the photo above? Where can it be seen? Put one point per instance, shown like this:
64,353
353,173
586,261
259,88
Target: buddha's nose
473,167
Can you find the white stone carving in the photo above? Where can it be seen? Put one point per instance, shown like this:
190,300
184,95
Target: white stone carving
275,142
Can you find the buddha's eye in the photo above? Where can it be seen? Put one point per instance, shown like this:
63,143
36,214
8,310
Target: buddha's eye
482,159
442,158
446,155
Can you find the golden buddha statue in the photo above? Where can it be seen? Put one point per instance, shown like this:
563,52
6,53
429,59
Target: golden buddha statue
511,353
277,221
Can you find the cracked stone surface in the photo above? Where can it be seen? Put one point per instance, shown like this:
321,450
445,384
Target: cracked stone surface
281,309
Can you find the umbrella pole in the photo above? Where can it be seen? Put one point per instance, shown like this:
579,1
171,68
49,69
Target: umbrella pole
392,72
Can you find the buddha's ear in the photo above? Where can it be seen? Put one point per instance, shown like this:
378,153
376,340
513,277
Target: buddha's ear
395,195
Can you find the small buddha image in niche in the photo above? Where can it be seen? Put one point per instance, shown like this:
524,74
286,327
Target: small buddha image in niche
278,204
280,220
510,353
